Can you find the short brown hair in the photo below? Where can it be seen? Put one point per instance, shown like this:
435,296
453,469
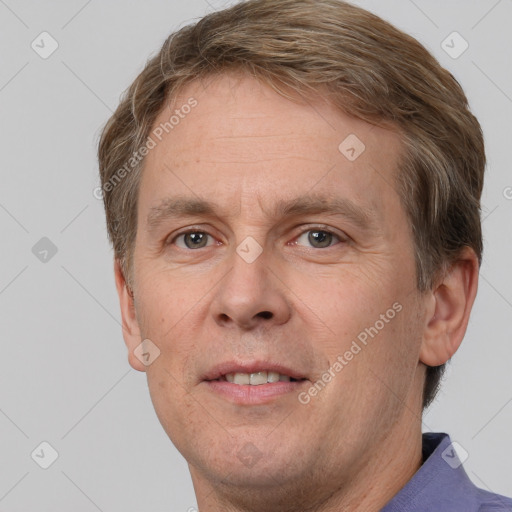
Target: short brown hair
367,68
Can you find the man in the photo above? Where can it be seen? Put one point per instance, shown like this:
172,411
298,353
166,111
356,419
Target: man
292,189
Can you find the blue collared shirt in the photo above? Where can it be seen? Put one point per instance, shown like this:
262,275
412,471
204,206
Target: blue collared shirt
442,485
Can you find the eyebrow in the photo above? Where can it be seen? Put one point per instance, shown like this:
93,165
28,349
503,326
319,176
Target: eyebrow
183,206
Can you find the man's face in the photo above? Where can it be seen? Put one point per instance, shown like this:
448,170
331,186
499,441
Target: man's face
304,256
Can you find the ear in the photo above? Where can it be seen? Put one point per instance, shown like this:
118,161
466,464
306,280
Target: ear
448,317
130,325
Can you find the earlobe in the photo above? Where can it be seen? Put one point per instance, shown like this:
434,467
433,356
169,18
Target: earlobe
452,301
130,326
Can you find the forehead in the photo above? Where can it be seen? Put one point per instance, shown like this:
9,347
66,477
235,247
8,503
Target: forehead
234,138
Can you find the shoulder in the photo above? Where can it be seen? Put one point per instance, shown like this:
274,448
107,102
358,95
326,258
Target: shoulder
490,502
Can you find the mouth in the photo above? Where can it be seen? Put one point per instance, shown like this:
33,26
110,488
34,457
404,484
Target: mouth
253,373
256,378
253,383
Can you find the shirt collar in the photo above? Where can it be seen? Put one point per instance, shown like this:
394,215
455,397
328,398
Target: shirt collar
440,484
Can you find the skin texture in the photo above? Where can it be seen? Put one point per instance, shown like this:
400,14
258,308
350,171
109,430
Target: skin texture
358,441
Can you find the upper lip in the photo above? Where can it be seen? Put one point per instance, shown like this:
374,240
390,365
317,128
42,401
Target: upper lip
226,367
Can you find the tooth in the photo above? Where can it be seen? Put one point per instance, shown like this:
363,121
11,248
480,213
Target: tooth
242,378
258,378
273,377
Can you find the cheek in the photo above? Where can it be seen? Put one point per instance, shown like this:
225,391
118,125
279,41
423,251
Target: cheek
164,301
375,327
346,300
173,406
391,356
377,382
165,318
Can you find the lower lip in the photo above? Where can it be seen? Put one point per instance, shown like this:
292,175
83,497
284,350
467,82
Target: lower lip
253,395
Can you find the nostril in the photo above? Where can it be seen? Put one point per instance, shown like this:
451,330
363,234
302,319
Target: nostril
265,314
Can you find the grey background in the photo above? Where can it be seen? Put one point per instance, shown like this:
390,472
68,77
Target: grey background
65,377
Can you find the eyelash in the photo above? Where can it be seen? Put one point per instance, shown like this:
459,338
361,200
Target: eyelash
311,229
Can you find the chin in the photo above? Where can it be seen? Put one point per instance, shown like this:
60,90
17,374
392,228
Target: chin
244,461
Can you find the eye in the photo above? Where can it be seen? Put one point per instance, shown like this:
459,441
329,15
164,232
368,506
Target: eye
192,240
318,238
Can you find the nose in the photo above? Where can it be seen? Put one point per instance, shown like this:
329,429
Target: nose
251,295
